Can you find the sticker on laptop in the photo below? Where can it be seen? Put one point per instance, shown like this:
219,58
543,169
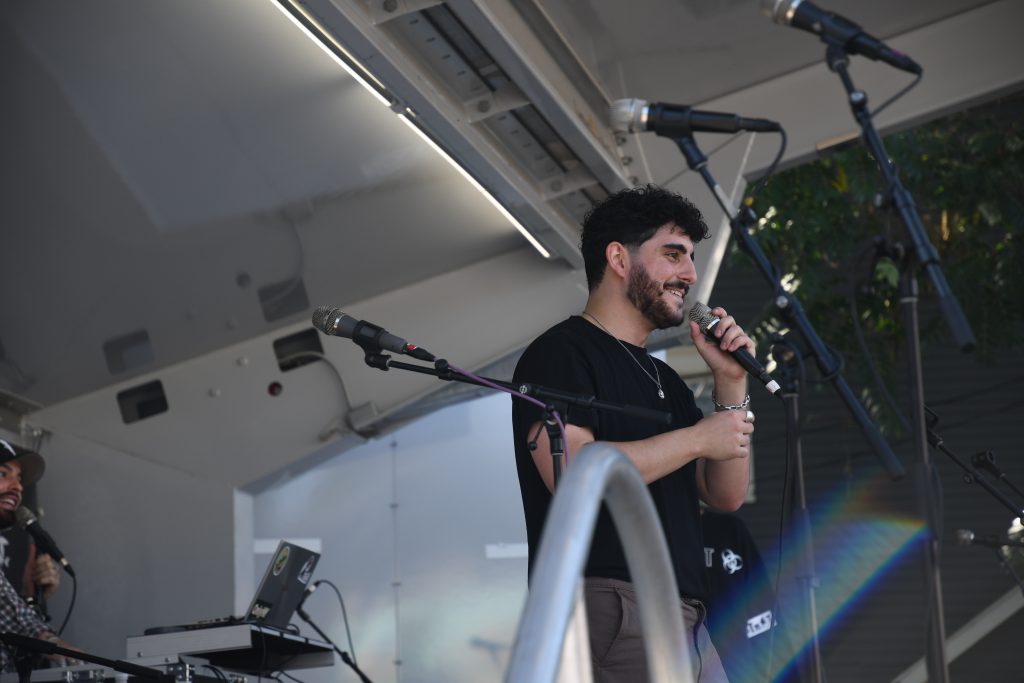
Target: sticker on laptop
260,610
306,573
281,561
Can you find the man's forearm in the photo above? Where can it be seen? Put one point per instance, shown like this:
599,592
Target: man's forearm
726,482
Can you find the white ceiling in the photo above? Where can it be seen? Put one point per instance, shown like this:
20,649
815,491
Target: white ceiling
163,161
149,169
699,50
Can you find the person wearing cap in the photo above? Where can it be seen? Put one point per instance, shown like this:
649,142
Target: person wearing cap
18,468
34,575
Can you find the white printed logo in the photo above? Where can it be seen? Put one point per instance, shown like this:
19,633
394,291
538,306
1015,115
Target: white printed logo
5,560
731,562
261,609
709,556
758,624
306,573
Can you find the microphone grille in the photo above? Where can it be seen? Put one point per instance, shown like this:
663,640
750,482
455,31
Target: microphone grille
780,11
701,314
323,318
626,116
24,516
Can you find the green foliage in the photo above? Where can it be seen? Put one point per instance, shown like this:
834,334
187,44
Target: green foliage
821,222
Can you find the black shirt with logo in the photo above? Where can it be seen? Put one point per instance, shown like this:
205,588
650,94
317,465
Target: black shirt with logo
740,601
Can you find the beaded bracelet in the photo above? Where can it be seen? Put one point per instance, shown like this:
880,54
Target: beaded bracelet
739,406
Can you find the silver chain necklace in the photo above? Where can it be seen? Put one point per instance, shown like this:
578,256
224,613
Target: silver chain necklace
656,377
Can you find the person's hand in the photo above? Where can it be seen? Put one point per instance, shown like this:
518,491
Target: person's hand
726,435
58,659
45,575
730,336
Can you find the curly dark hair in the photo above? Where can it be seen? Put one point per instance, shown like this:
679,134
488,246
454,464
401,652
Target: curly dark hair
631,217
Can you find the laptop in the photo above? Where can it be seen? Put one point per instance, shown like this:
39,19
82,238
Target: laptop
286,579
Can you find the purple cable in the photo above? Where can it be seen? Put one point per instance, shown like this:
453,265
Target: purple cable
519,394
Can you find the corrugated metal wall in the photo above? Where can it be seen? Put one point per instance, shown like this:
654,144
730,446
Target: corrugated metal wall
879,633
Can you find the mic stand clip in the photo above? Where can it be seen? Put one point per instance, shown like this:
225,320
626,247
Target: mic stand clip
375,356
555,439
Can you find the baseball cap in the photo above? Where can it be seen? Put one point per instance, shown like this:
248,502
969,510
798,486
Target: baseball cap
32,464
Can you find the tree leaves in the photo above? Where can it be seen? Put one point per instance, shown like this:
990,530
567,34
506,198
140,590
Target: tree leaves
829,229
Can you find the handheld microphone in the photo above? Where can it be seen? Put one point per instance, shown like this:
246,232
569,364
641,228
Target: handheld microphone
333,322
44,541
674,120
968,537
835,28
707,321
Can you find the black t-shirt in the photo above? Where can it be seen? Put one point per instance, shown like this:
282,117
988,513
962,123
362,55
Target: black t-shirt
577,357
739,600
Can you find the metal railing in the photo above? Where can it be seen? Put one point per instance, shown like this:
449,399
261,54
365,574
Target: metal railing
600,473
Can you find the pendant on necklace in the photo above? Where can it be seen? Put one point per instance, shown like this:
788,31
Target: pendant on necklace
661,394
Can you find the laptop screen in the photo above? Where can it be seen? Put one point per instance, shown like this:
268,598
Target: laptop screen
284,582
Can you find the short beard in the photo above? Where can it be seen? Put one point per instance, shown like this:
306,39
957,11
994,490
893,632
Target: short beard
646,295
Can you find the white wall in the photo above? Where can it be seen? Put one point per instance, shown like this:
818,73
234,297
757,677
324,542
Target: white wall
416,578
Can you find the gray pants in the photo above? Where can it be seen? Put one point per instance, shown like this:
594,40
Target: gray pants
616,646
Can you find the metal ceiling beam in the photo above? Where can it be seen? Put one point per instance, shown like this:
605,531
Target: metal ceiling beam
546,182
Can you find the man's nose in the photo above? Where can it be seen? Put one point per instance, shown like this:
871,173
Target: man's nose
689,273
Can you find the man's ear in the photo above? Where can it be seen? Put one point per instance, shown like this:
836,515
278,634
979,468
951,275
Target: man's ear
617,256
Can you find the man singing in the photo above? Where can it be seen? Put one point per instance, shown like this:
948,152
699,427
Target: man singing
638,253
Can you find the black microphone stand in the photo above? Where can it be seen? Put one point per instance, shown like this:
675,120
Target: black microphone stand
341,653
791,366
24,662
45,647
986,460
554,432
552,399
789,307
740,221
923,256
971,474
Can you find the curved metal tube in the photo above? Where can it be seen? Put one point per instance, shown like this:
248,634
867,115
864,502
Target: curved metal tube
600,472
